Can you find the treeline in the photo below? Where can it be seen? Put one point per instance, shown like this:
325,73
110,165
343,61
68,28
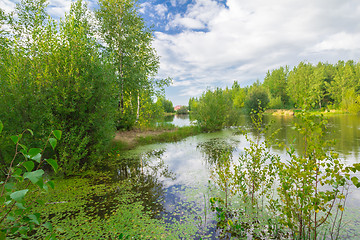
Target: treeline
86,75
322,86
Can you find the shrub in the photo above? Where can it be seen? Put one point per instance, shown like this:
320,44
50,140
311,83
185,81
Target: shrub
23,184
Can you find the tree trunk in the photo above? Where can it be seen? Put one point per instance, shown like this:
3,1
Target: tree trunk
138,107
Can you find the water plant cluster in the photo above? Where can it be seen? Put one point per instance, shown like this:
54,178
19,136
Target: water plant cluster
300,197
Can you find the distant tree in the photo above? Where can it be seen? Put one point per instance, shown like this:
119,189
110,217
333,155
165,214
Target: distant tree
302,87
346,77
213,110
257,98
276,82
183,110
192,103
238,95
167,105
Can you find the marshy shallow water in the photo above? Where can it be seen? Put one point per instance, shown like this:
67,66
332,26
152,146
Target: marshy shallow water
176,175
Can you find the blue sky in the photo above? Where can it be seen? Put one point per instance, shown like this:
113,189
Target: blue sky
211,43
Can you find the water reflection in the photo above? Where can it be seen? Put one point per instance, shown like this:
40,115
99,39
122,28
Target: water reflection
213,149
145,171
180,120
170,171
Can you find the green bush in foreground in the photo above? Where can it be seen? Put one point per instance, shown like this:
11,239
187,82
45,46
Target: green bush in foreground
20,190
311,188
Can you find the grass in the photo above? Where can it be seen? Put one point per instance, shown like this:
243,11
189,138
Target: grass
158,134
171,136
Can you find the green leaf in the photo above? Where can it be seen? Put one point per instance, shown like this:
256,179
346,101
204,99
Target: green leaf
53,163
29,165
9,185
1,126
51,184
18,196
53,142
30,131
17,171
41,185
57,134
37,158
48,226
35,154
35,176
34,151
35,218
15,139
23,230
20,206
23,147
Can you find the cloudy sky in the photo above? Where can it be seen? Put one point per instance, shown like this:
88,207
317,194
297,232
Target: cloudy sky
212,43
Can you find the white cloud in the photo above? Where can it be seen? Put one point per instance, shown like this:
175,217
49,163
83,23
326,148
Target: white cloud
144,6
339,41
185,22
161,10
246,38
7,5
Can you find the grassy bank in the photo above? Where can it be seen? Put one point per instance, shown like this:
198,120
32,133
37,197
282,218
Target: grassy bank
291,112
130,139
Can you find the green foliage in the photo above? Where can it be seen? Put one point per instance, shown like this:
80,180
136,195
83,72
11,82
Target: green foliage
56,75
257,99
276,82
21,188
134,60
183,110
64,83
167,105
275,103
213,110
303,202
311,187
351,101
246,186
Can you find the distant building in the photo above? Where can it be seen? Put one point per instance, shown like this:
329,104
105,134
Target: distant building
177,107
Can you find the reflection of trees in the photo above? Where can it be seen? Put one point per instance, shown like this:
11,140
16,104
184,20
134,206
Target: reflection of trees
182,116
144,171
169,118
213,149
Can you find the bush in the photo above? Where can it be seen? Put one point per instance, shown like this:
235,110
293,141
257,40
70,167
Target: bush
23,185
183,110
213,110
257,99
58,80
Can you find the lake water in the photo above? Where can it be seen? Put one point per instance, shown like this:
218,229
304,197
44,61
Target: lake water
176,175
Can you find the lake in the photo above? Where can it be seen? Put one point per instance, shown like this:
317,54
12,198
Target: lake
176,185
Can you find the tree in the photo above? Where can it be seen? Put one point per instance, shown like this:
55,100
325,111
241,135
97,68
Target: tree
238,95
213,110
276,82
58,80
128,42
345,78
167,105
257,98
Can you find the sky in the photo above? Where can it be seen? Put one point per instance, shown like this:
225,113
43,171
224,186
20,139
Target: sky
204,44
